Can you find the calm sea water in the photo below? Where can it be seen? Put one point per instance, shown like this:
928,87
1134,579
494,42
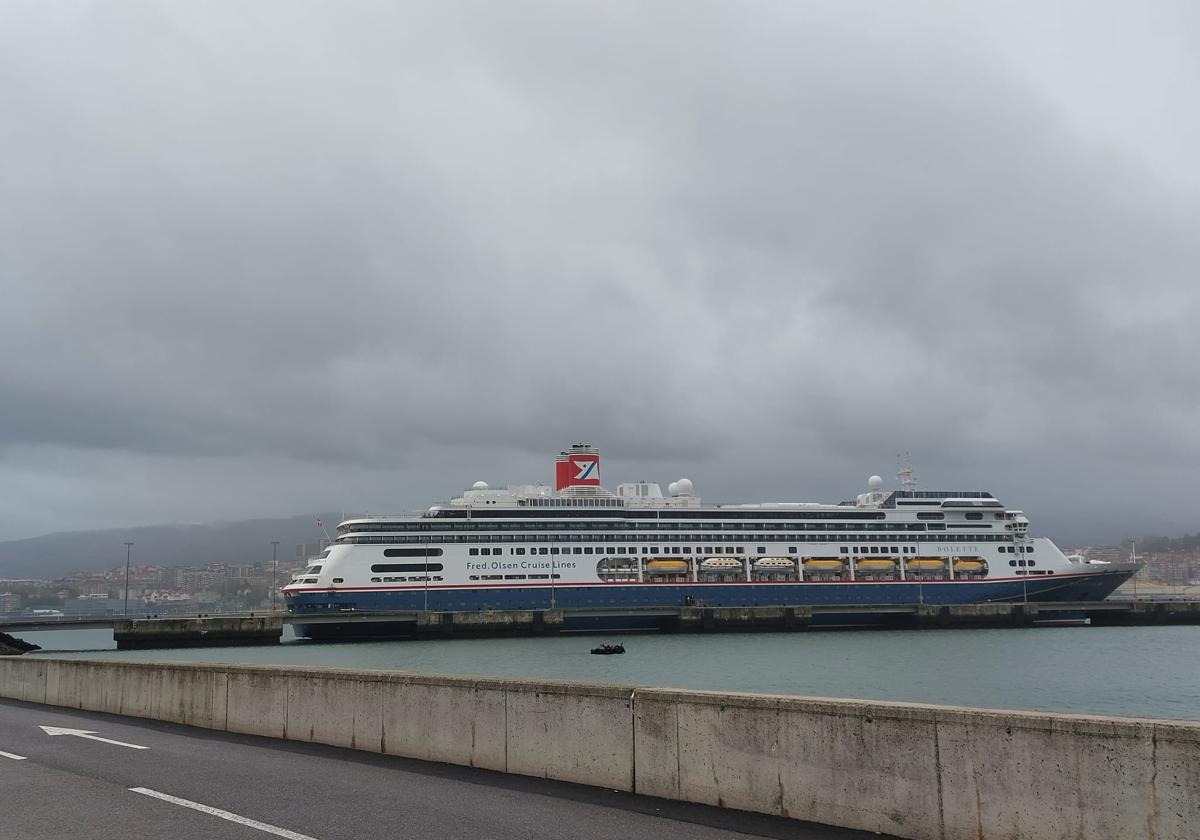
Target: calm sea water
1137,671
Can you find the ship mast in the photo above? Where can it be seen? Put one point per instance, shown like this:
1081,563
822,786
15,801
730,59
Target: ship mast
904,471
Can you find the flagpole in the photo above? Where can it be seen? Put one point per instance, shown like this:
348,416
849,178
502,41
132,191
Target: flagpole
274,565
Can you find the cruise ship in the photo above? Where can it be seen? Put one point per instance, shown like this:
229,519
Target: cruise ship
579,546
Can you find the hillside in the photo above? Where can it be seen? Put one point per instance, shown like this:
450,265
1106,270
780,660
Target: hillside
242,542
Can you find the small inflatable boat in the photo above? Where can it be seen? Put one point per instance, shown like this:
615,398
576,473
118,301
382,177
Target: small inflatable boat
608,650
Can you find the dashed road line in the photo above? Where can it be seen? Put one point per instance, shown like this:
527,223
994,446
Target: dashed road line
13,756
225,815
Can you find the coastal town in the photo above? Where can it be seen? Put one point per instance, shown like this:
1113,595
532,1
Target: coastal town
157,590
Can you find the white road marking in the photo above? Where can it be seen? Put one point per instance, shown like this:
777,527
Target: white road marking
225,815
13,756
90,735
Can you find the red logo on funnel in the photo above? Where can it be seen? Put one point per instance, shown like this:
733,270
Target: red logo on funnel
577,468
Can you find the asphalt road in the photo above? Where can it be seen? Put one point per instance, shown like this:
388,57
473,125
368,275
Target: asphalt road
65,786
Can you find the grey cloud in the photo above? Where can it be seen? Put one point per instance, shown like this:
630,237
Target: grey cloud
309,256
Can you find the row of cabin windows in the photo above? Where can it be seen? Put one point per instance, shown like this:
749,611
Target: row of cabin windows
568,502
692,538
879,549
631,549
1022,562
937,515
406,567
847,513
1014,549
687,549
522,512
516,577
591,510
409,579
941,494
590,537
648,526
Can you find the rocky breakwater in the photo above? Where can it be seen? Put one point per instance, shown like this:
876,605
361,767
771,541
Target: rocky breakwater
12,646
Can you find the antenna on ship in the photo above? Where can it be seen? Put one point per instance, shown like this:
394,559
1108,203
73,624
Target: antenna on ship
904,471
1133,559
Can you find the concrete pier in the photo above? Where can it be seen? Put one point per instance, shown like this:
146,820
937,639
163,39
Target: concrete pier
711,619
216,631
488,623
1132,613
916,771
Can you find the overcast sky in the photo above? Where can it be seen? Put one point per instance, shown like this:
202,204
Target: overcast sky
271,257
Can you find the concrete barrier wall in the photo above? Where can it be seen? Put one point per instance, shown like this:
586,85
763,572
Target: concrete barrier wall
871,766
922,771
916,771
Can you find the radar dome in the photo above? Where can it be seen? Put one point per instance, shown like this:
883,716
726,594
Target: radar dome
673,488
479,485
684,486
875,483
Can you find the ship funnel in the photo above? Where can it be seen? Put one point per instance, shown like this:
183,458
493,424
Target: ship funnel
579,466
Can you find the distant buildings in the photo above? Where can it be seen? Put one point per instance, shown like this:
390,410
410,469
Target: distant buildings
153,589
9,602
1179,567
1173,569
306,550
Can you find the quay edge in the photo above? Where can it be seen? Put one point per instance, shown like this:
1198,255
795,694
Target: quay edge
213,631
704,619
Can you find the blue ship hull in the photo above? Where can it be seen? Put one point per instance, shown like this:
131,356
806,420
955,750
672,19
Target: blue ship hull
630,598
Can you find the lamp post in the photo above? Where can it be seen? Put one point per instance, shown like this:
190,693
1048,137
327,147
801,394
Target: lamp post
128,550
274,560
